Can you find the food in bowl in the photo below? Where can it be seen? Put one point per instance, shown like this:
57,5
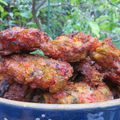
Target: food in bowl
75,93
36,71
76,68
16,40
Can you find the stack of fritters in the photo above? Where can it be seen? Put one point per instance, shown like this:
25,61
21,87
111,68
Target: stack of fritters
76,68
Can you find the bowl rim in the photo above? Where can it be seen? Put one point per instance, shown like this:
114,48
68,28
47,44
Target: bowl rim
105,104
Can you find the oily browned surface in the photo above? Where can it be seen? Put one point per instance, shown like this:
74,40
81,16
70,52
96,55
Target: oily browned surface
16,40
81,92
108,57
17,92
90,71
70,48
36,71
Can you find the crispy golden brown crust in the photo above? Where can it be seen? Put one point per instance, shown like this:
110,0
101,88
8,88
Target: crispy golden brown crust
108,57
36,71
91,71
39,79
16,40
77,93
70,48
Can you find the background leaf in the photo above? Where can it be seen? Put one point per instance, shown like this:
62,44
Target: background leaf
100,18
95,28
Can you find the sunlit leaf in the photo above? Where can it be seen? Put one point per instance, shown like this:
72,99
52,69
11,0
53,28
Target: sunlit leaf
94,28
4,14
1,9
32,24
73,1
3,2
115,1
102,18
26,14
107,26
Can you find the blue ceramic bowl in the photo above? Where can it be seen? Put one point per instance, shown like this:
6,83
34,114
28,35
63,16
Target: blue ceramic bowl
13,110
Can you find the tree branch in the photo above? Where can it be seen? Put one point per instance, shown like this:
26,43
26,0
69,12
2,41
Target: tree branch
41,4
34,14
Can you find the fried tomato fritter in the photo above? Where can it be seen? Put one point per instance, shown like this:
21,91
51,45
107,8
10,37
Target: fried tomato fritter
5,83
70,47
17,92
106,54
36,71
77,93
12,90
94,68
108,57
17,40
91,71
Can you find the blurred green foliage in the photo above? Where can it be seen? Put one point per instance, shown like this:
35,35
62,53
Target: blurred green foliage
101,18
